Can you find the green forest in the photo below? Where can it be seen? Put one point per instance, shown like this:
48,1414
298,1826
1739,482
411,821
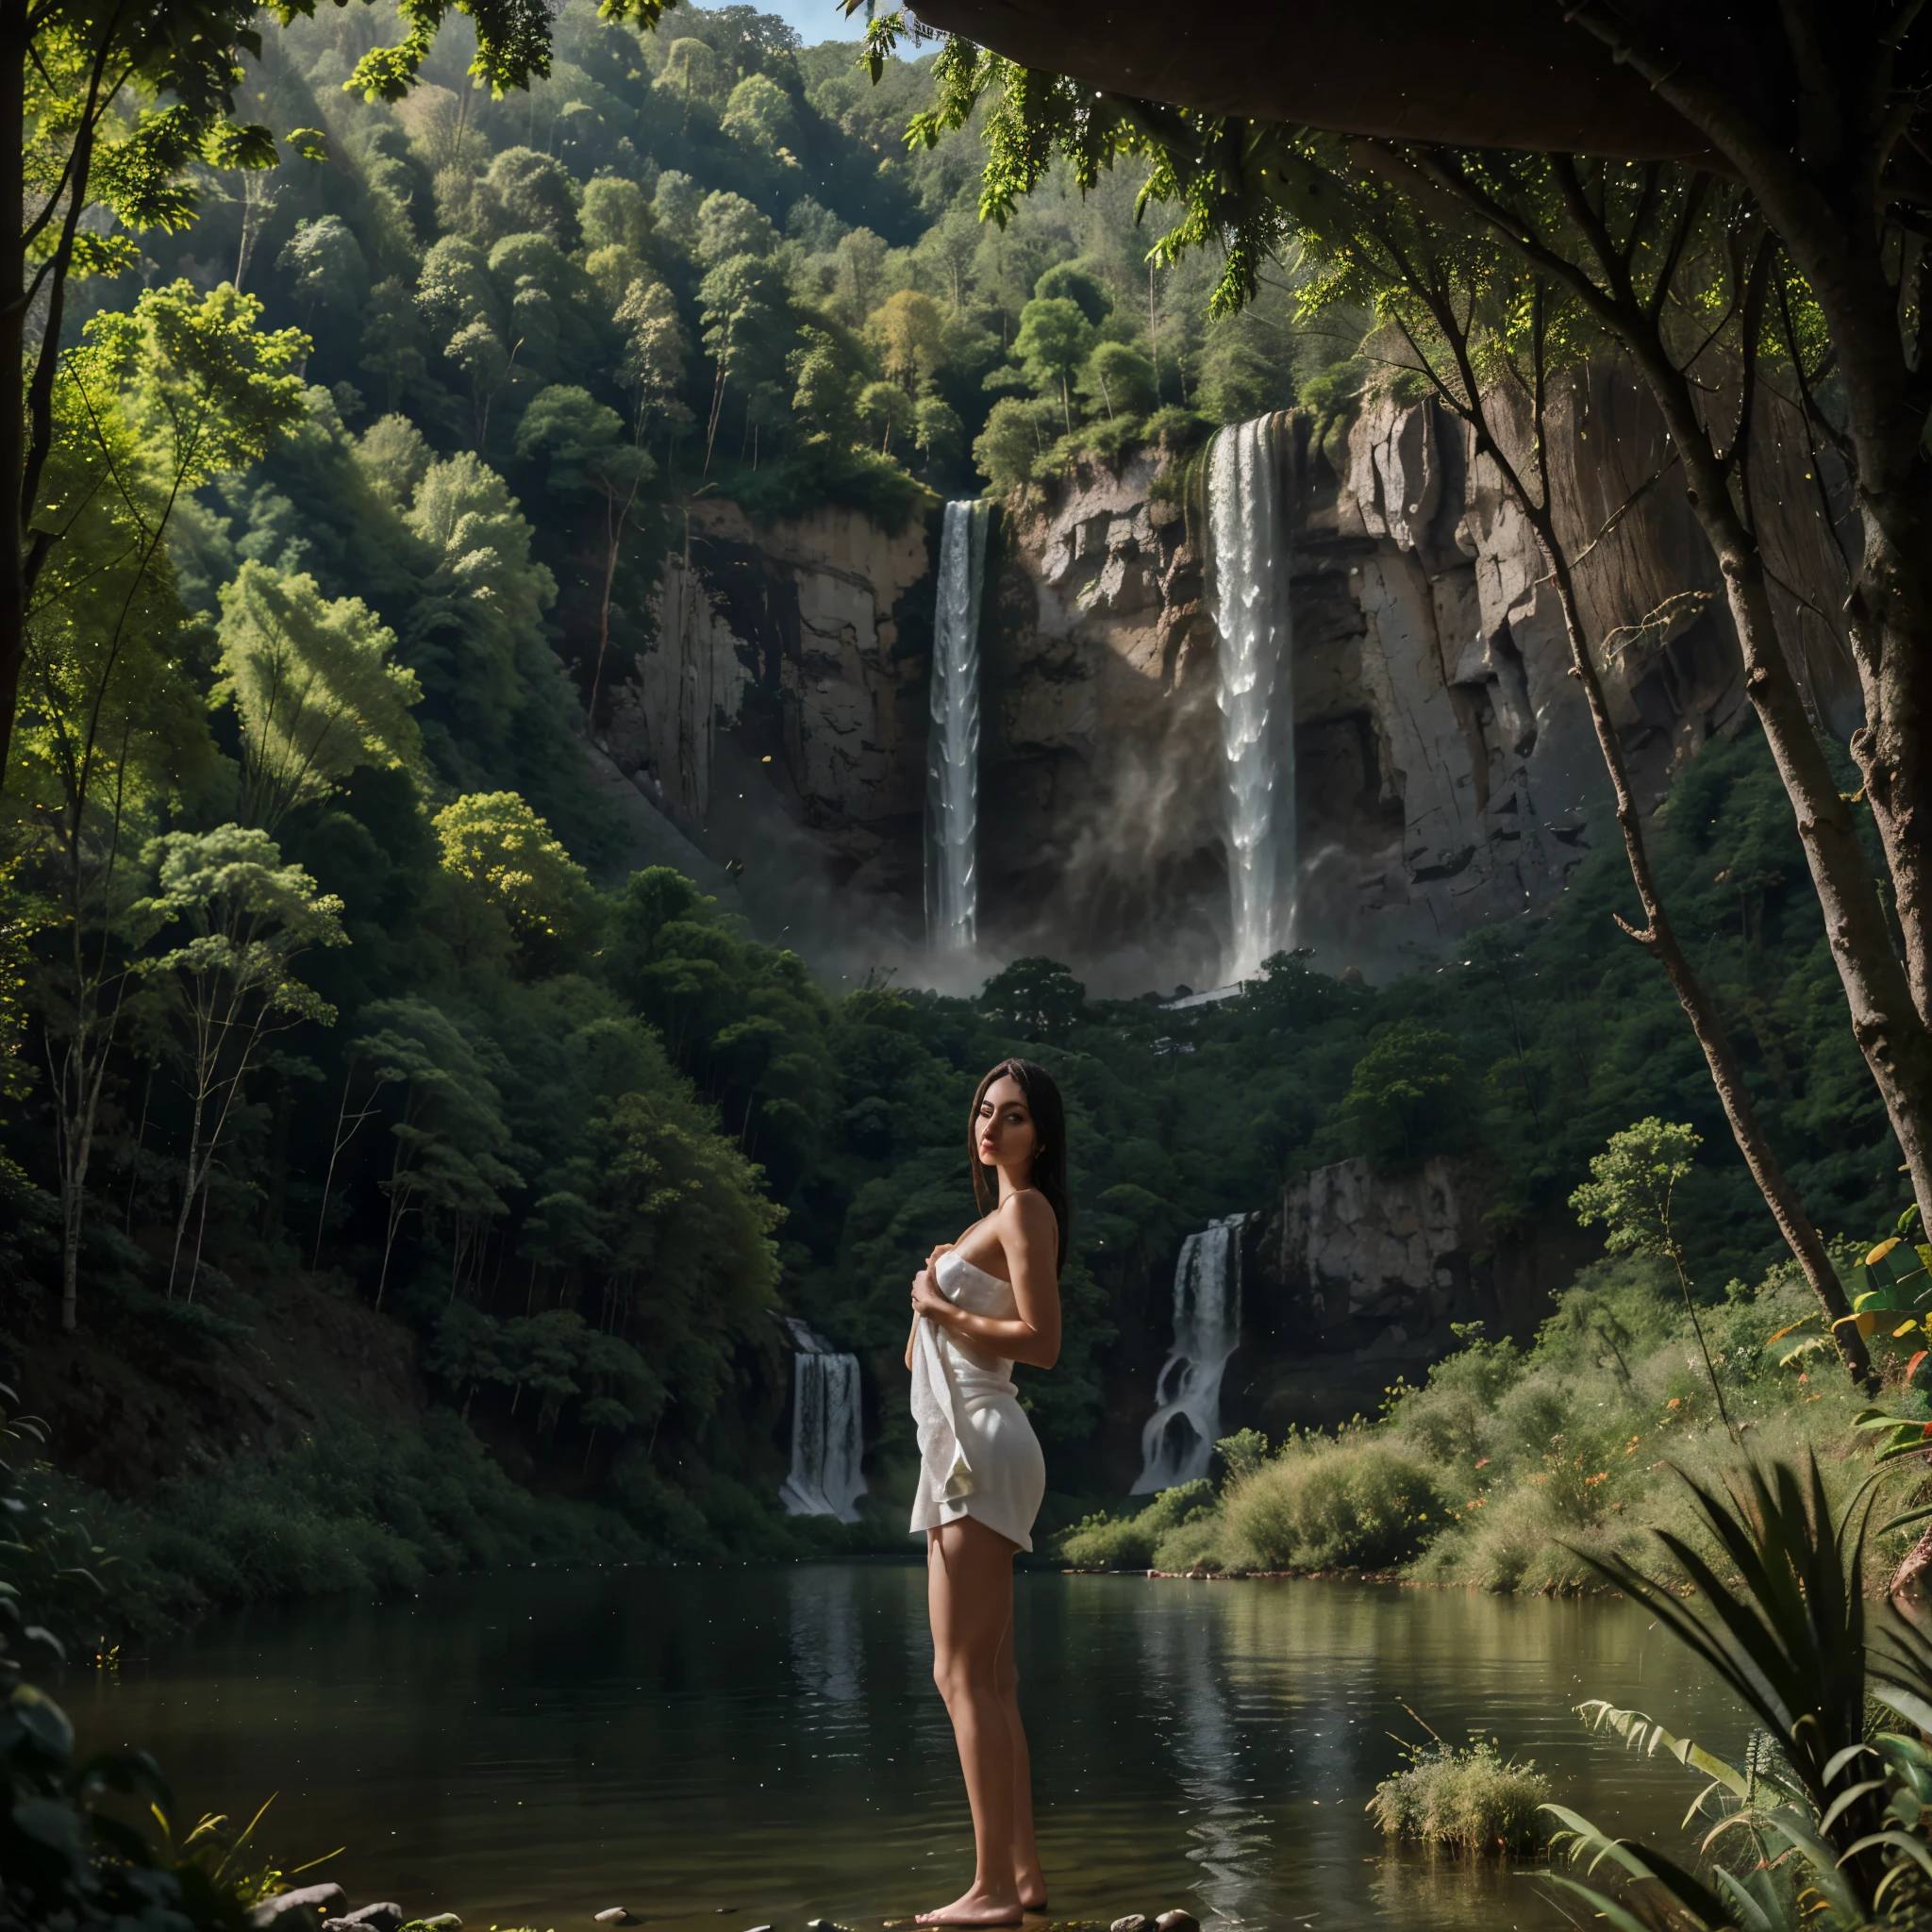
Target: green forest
327,974
404,1175
396,1179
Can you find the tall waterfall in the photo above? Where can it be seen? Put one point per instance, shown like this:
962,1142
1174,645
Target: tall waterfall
952,756
827,1441
1248,568
1179,1439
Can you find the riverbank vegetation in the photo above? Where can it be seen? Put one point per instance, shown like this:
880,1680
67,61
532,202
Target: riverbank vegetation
1524,1467
1823,1822
1820,1820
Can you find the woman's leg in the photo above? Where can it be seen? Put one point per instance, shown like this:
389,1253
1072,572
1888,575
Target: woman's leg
969,1595
1026,1873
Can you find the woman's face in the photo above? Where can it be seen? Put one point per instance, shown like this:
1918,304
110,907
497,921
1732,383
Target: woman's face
1004,1131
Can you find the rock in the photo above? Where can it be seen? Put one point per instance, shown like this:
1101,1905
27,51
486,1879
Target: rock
443,1921
1176,1921
614,1915
1383,1263
308,1904
1134,1922
383,1917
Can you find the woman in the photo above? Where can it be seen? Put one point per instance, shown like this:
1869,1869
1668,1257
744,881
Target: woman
979,1304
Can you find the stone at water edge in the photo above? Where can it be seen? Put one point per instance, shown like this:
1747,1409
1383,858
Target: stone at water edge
1176,1921
614,1915
1134,1922
307,1904
384,1916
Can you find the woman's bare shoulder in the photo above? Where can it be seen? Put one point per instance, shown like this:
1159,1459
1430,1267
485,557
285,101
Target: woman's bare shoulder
1029,1214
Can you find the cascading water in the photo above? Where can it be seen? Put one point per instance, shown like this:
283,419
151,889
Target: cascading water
952,758
1248,568
827,1441
1179,1439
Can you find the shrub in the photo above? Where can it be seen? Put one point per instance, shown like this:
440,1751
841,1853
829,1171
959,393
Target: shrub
1110,440
1472,1799
1352,1501
1204,1541
371,1508
1177,430
1242,1452
1128,1542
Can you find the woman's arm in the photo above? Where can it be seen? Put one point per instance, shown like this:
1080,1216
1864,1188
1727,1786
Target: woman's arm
1030,1238
924,1278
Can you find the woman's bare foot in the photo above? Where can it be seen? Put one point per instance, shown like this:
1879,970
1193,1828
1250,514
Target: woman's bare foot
978,1907
1031,1886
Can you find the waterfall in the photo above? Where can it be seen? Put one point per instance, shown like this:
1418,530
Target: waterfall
827,1442
1179,1439
1248,568
952,756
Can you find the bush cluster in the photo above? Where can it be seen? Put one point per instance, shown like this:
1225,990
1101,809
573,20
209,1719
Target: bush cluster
1467,1798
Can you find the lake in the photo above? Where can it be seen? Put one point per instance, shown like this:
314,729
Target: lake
728,1747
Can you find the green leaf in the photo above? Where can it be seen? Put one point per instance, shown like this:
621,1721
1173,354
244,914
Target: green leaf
39,1723
103,255
1601,1902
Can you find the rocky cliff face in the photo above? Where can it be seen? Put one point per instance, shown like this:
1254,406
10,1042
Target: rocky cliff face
1445,771
778,722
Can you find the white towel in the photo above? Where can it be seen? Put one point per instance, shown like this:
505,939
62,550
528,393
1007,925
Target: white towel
936,1411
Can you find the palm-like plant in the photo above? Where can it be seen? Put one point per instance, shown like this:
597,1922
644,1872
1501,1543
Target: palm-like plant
1833,1815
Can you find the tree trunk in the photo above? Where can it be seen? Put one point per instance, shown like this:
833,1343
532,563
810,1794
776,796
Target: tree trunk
1835,231
1891,616
1912,1568
1886,1019
190,1183
717,408
14,35
75,1128
1660,940
613,537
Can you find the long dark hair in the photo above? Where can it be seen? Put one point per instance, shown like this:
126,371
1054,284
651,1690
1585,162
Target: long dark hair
1049,1162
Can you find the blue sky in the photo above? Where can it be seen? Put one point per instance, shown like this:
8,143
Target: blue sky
816,20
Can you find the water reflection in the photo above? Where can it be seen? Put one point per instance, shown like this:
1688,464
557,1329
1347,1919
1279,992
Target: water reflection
825,1651
725,1748
1186,1678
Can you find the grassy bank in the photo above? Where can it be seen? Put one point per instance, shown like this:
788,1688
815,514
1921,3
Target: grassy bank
291,1442
379,1510
1508,1463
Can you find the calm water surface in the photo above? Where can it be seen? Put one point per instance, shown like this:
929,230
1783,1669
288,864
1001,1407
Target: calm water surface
729,1748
